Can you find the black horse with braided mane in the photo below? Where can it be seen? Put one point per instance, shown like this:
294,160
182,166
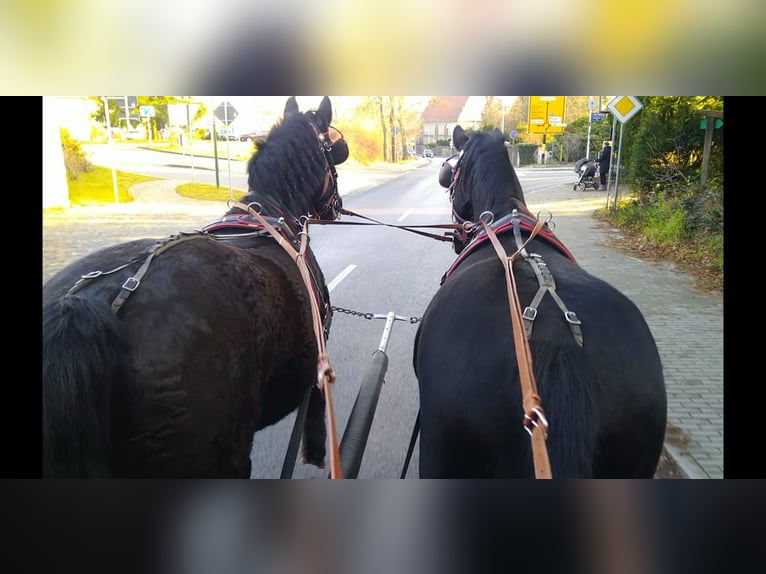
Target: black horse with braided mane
595,363
162,358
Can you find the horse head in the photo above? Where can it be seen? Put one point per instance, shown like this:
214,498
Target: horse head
293,169
480,178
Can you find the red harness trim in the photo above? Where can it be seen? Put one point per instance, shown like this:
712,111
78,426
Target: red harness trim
241,222
526,223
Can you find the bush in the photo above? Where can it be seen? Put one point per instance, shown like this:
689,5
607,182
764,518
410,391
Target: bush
667,230
526,153
704,208
75,161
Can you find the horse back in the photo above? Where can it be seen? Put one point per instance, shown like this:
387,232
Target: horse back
605,397
210,328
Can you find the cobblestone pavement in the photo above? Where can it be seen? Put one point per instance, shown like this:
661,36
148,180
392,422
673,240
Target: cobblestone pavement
687,323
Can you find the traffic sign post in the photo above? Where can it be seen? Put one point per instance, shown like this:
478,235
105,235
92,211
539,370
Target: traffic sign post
147,113
226,113
546,114
111,145
712,121
623,108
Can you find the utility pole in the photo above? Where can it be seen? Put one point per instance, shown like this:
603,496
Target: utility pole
591,105
111,144
502,107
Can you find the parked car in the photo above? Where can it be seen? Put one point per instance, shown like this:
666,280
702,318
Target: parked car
135,133
252,136
226,134
428,152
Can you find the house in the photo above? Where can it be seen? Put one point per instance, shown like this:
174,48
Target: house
443,113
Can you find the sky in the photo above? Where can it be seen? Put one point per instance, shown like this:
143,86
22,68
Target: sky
255,113
260,112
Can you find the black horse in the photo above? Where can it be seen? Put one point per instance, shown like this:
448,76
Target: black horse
162,358
596,365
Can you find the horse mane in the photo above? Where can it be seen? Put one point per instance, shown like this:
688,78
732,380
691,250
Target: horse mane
487,176
283,168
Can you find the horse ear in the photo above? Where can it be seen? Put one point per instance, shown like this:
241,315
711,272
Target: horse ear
291,107
459,137
325,110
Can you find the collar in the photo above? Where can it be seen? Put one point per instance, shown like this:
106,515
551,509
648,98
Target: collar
527,222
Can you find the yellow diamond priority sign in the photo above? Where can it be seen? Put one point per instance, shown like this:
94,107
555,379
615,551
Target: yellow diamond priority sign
624,107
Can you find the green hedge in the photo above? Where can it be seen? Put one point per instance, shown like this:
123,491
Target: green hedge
526,153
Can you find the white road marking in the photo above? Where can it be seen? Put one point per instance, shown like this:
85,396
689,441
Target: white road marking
340,277
404,215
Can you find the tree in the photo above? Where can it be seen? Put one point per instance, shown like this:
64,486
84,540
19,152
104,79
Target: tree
389,112
492,113
662,147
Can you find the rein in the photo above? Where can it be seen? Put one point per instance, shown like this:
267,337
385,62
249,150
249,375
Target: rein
534,420
410,228
325,373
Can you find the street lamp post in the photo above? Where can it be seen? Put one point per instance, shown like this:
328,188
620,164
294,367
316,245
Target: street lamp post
591,105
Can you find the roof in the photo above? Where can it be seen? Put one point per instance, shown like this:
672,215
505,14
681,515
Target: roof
444,108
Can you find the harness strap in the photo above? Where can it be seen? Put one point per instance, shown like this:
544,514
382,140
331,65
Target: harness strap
534,419
547,285
132,283
325,373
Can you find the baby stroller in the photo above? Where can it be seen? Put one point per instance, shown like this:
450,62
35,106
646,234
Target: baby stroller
588,172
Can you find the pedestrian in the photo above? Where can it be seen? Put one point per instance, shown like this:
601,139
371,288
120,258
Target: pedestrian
604,159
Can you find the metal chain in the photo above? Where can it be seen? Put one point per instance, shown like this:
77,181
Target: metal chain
350,312
411,320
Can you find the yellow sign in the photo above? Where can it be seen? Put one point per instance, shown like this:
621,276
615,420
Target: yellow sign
546,114
624,107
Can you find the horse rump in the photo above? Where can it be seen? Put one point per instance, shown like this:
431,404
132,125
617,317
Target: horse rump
83,362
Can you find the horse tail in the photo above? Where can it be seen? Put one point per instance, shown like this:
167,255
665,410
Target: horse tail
82,363
570,389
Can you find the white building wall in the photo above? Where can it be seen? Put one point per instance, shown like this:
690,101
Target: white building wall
55,187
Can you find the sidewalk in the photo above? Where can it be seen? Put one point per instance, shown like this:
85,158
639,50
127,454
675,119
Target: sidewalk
687,325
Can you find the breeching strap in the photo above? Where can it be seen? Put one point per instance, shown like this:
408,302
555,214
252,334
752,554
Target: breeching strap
534,419
325,373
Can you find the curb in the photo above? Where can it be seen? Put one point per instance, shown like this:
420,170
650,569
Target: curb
688,466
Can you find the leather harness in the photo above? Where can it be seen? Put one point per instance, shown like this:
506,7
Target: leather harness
233,226
518,221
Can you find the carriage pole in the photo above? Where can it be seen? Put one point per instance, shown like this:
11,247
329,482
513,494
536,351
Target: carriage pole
357,431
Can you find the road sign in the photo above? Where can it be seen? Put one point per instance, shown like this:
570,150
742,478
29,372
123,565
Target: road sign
596,116
716,124
546,114
226,112
146,111
514,134
394,130
624,107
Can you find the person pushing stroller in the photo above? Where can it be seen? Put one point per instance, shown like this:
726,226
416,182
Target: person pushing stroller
588,172
604,159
